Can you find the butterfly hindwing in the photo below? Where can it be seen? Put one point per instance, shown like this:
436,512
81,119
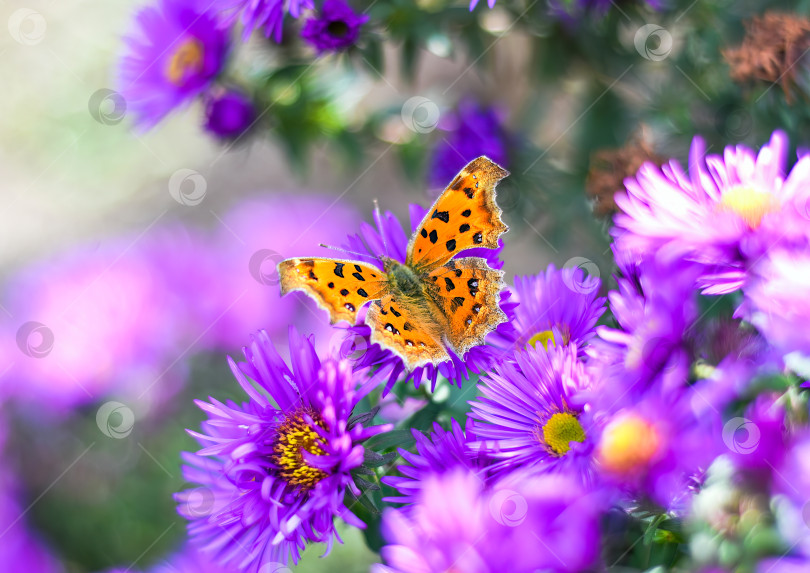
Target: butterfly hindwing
464,216
407,330
338,286
467,292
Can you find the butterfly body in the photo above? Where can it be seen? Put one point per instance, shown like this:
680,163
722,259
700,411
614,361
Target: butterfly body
434,302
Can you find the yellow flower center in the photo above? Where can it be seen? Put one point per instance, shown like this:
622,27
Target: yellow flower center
543,338
296,436
628,444
560,430
187,60
748,203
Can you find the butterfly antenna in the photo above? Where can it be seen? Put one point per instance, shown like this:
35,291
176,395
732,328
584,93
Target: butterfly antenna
378,221
347,251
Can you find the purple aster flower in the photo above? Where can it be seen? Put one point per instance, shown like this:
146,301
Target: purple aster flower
723,214
335,28
470,131
173,56
777,297
274,471
256,14
389,239
459,524
555,308
229,114
654,444
442,451
655,307
530,416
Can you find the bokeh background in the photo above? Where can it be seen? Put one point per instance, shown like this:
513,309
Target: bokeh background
133,262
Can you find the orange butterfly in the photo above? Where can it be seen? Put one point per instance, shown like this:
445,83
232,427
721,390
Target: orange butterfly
433,303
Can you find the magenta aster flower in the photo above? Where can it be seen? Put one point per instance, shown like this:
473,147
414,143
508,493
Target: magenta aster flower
275,469
335,28
555,308
529,414
175,53
256,234
723,214
442,451
534,523
654,444
777,297
102,319
256,14
389,239
655,307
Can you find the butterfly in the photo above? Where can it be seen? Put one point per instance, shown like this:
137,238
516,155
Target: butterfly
433,303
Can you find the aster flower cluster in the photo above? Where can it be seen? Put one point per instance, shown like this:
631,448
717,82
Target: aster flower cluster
594,419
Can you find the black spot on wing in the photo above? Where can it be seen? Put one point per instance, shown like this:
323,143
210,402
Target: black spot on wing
362,293
312,276
478,238
464,228
441,216
451,245
476,308
358,276
434,236
469,192
458,272
466,213
349,306
456,303
407,326
344,292
339,269
472,284
331,285
424,234
396,312
448,284
358,268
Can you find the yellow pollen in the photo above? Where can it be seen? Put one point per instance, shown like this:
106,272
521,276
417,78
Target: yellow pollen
186,61
542,337
560,430
296,436
628,444
748,203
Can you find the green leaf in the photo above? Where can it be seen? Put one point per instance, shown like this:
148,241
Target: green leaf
389,440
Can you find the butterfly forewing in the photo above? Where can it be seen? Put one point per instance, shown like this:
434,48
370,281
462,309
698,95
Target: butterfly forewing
467,292
464,216
338,286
